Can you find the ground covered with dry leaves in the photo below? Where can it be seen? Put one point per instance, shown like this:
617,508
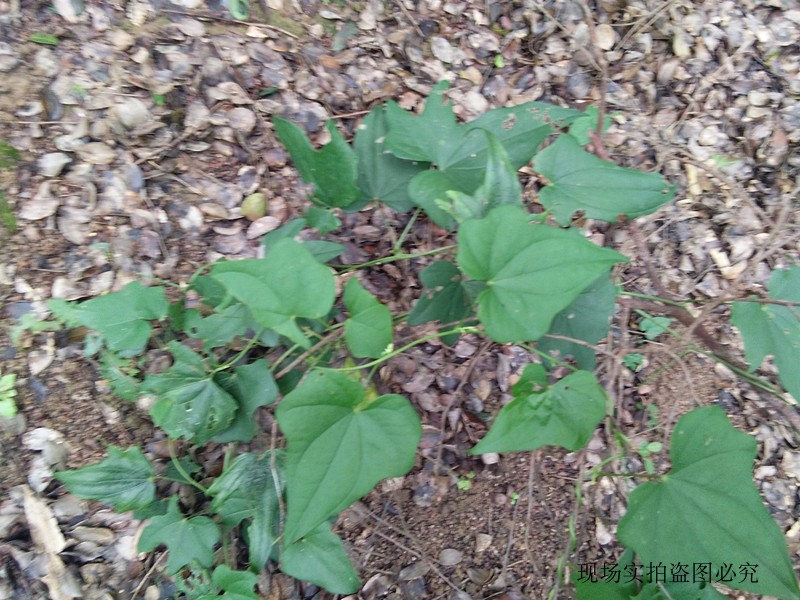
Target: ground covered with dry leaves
142,130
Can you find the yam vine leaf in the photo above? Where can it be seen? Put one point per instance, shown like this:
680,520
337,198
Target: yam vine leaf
190,403
338,446
581,181
249,489
381,175
587,318
187,539
122,318
368,331
332,170
460,152
124,480
564,414
774,329
532,271
707,509
319,557
277,290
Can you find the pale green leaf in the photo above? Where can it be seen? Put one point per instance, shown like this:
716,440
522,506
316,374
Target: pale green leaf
320,557
706,509
121,317
332,170
236,585
564,414
368,331
602,190
338,446
532,272
187,540
124,480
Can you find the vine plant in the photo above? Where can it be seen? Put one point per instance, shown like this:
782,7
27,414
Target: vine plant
266,329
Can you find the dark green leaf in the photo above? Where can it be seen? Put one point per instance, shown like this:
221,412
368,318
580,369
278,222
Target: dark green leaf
236,585
338,446
323,250
587,318
319,557
532,272
602,190
120,374
332,170
187,540
322,219
252,385
444,298
707,510
189,402
124,480
217,329
381,175
368,331
249,489
564,414
774,329
500,186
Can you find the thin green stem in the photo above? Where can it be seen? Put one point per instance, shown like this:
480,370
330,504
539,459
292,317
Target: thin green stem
179,467
401,349
249,346
394,258
656,299
749,377
406,230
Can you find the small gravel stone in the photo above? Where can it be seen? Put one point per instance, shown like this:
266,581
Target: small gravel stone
450,557
442,49
52,163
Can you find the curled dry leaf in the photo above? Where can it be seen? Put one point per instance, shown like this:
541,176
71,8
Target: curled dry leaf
42,205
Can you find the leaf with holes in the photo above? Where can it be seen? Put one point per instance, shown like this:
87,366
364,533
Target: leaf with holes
581,181
187,540
774,329
124,480
339,445
276,289
368,331
332,170
190,403
532,272
249,488
707,510
564,414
